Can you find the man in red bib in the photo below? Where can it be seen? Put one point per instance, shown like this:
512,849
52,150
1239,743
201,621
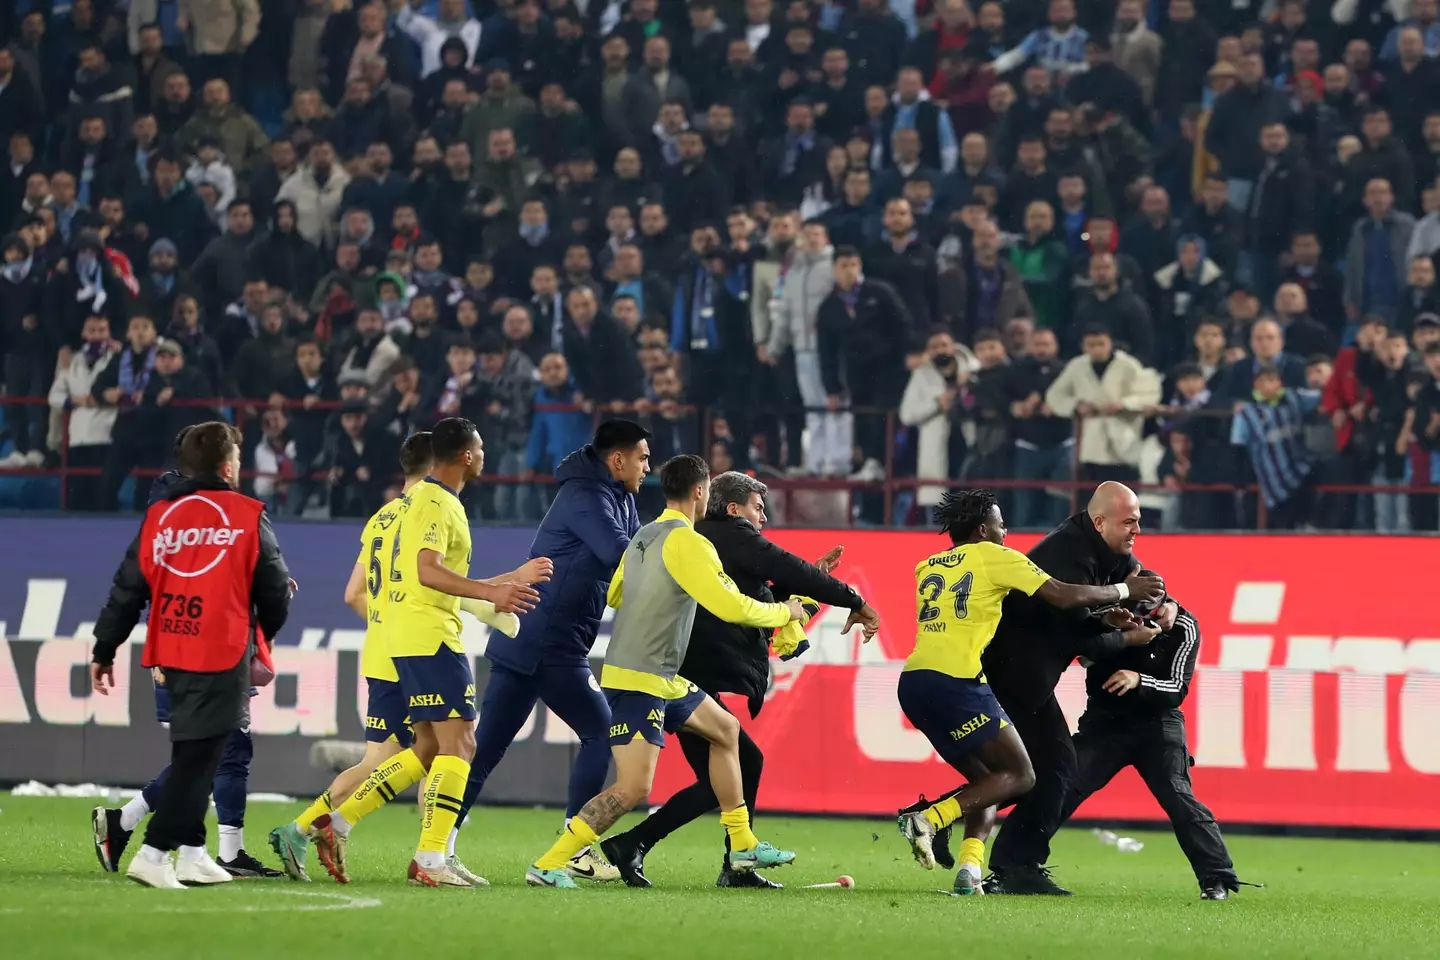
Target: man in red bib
207,563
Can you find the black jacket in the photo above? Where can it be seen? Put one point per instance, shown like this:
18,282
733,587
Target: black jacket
1035,641
871,344
1166,666
1282,203
728,658
913,273
269,585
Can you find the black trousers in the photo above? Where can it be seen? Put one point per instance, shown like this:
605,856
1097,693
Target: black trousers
698,799
1158,751
1024,840
86,493
179,820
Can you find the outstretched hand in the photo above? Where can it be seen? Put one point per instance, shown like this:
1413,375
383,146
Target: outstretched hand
538,570
866,618
830,561
513,597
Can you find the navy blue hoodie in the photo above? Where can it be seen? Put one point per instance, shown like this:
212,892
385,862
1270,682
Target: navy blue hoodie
585,533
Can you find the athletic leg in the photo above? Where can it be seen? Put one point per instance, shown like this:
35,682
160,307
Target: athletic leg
627,850
508,701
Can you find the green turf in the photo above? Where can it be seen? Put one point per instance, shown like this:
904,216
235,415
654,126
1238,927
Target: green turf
1322,898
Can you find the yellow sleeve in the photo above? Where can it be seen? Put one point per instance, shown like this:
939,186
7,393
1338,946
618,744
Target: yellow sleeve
1014,571
692,561
616,593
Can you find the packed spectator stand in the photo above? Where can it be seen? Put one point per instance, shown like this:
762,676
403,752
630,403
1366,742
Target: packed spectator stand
865,249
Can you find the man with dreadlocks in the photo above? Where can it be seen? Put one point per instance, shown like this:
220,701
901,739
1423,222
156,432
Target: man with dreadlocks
943,691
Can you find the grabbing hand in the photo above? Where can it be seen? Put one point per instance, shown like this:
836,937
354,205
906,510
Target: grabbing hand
538,570
797,611
1120,619
102,678
1122,682
1145,589
1166,615
1141,635
513,597
867,619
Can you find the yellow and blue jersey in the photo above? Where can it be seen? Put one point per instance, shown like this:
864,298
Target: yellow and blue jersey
377,547
421,620
958,595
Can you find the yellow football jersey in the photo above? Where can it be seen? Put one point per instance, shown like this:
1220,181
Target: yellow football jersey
957,604
377,549
421,620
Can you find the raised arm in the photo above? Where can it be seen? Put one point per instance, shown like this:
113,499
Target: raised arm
692,561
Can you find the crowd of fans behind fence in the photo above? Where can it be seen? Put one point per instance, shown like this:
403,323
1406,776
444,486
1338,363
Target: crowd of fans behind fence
1191,243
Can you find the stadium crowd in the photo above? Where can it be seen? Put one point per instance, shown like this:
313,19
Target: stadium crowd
1187,242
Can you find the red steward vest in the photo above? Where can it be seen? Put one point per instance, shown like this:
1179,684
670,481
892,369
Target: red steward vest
198,554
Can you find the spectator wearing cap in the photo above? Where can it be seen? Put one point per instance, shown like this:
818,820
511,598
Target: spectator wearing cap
453,21
163,281
317,189
30,344
171,208
506,381
1421,296
360,464
1375,267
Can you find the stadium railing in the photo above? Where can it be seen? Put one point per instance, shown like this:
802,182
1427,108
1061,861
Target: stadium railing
889,495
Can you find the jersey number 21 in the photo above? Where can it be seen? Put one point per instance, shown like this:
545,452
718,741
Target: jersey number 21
934,585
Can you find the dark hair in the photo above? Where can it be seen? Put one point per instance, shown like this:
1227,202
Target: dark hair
1267,370
732,487
1188,370
1096,330
989,333
1210,321
846,251
450,438
1432,348
1317,358
205,448
961,511
491,343
681,474
417,454
614,435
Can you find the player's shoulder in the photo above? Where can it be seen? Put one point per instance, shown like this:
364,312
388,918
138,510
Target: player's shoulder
944,560
384,518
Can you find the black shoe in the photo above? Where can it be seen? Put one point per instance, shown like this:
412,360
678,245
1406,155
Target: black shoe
245,865
746,879
628,857
110,840
1025,882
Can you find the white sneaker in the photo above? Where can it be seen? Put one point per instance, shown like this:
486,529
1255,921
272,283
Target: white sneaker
443,876
35,458
871,471
201,872
160,875
917,828
465,873
589,865
13,461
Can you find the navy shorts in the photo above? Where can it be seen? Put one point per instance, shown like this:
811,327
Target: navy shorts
635,714
437,687
386,715
957,716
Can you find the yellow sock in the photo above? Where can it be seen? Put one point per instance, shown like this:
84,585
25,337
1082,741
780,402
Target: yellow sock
576,837
944,813
392,776
443,791
737,825
972,852
318,807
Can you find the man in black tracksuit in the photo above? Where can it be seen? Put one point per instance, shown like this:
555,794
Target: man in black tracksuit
728,658
1133,718
1032,648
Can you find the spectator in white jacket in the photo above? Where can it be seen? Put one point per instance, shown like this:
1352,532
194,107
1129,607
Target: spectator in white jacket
274,460
374,353
1109,390
210,168
929,402
317,189
804,283
90,425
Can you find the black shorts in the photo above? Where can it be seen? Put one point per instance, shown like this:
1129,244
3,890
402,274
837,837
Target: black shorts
635,714
957,716
386,715
437,687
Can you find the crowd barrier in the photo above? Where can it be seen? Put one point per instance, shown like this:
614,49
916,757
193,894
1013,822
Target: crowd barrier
1316,702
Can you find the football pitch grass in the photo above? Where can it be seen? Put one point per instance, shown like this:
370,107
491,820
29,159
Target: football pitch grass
1323,898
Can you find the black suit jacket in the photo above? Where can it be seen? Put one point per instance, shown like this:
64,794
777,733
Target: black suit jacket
728,658
1036,642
